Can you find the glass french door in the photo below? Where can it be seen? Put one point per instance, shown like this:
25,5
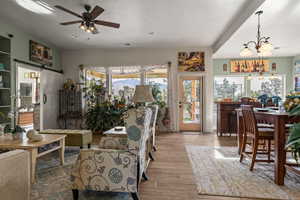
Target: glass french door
191,103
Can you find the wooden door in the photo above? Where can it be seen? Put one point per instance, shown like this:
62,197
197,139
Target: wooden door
191,103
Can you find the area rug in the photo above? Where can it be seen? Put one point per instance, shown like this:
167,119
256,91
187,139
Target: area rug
217,171
53,180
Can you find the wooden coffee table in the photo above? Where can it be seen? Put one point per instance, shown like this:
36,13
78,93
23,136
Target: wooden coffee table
32,147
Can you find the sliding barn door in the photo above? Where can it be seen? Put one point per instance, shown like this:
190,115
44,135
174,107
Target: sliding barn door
51,82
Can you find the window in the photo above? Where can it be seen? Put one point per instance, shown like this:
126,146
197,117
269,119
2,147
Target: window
229,87
270,85
121,81
98,74
124,80
158,78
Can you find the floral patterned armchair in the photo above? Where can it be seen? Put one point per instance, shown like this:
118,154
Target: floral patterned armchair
115,170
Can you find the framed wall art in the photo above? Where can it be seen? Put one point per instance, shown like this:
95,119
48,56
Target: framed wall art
225,68
191,61
40,54
297,66
274,67
248,66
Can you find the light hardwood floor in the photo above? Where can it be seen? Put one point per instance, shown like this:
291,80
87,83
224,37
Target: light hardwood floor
171,176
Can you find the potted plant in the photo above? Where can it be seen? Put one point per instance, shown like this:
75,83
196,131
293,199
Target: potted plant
292,106
16,131
104,116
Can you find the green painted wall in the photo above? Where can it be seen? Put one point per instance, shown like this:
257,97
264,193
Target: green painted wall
284,66
20,48
20,44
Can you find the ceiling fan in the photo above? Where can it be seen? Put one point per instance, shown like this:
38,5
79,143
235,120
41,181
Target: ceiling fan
88,19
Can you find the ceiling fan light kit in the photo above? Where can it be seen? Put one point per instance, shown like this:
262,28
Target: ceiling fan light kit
88,19
262,45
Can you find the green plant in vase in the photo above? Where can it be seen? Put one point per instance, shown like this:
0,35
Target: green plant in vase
105,116
16,131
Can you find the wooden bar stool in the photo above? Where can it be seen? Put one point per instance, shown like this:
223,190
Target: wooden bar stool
255,134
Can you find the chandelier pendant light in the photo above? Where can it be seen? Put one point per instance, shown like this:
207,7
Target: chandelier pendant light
262,45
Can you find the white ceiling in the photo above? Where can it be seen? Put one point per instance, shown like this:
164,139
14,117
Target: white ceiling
175,23
280,21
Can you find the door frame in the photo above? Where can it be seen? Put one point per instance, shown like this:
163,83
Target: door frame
17,65
202,100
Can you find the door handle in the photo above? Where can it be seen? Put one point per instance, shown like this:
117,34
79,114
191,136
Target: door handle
44,98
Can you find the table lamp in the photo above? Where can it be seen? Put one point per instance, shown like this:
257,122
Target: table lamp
143,94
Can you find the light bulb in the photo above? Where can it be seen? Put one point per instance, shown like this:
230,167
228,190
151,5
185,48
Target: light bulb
246,52
88,30
267,46
92,27
82,26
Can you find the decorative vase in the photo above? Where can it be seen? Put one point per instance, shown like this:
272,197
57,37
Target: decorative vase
166,120
17,136
30,133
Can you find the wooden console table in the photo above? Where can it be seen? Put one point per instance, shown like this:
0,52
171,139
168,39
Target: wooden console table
32,147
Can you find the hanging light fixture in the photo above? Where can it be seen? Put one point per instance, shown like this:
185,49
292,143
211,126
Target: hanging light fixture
273,76
262,45
261,77
249,77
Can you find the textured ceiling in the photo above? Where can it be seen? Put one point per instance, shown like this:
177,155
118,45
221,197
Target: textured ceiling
280,21
175,23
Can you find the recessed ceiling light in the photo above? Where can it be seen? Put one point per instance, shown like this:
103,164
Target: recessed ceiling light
151,33
36,6
74,36
127,44
276,48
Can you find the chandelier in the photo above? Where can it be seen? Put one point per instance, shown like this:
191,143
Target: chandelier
262,45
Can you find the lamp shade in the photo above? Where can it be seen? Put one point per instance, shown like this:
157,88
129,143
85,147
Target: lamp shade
143,93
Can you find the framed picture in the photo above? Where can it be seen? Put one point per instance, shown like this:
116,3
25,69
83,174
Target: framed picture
225,68
191,62
297,67
274,67
40,54
297,84
248,66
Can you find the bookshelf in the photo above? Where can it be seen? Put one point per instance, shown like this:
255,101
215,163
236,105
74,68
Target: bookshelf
5,79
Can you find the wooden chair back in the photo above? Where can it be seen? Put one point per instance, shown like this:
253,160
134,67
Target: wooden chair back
250,123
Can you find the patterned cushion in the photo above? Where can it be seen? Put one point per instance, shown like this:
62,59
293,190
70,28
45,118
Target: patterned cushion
113,142
105,170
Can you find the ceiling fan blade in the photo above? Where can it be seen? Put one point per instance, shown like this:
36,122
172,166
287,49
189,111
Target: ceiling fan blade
72,22
68,11
109,24
96,12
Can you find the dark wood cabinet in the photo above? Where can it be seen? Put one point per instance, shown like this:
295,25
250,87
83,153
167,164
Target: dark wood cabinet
226,116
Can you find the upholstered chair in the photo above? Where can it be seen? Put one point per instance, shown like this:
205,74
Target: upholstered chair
115,170
152,146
